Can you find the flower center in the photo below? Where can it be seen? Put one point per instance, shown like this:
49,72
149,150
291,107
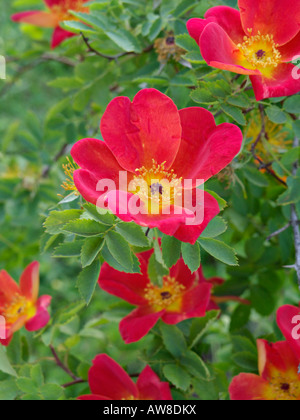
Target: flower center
260,50
17,308
130,398
286,388
62,10
164,296
157,187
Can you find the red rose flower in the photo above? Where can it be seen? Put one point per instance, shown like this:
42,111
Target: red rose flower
157,147
20,305
278,380
288,320
58,12
108,381
181,297
259,40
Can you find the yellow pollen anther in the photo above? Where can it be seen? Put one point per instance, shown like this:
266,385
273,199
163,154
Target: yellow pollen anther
157,186
285,387
260,50
69,170
62,10
166,295
14,310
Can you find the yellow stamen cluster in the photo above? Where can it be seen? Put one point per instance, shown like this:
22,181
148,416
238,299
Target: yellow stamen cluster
260,50
130,398
285,388
14,310
276,135
69,170
62,10
164,296
157,185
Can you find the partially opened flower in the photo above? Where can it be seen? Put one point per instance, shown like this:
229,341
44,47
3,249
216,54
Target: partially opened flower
260,40
288,320
215,301
180,297
58,11
108,381
20,305
279,378
162,154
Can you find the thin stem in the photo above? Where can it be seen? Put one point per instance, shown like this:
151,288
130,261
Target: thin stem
279,231
77,381
61,365
294,220
108,57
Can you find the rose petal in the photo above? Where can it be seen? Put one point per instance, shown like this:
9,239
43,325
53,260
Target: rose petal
279,18
30,281
43,19
108,379
219,51
137,324
248,387
285,81
151,388
146,129
206,147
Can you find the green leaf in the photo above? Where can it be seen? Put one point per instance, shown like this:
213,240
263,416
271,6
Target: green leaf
27,385
37,376
292,104
240,317
186,42
77,27
292,194
8,390
87,281
58,219
173,339
246,360
178,376
241,101
262,301
85,228
215,228
133,234
200,326
276,115
255,177
156,271
219,250
171,250
235,113
5,365
52,392
125,40
100,215
119,249
202,96
68,249
195,365
191,256
90,250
